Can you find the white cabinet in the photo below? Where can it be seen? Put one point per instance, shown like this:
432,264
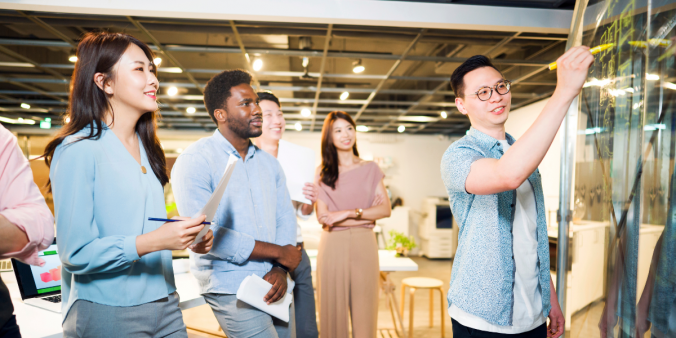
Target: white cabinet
438,230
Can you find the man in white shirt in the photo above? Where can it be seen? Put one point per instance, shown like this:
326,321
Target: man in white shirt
303,292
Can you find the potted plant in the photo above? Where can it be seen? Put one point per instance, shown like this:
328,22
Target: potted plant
400,243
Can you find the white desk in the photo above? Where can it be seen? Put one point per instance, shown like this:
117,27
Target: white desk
36,322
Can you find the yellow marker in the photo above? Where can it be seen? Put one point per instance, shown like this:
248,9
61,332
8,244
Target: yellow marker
652,42
594,51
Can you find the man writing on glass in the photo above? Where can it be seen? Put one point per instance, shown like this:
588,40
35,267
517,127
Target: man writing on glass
500,284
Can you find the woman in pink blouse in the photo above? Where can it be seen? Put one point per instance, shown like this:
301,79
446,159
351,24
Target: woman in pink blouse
351,198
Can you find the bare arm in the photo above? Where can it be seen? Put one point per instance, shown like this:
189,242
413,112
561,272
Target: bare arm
306,209
489,176
287,255
12,239
348,217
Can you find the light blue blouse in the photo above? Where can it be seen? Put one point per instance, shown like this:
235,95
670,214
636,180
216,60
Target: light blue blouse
102,201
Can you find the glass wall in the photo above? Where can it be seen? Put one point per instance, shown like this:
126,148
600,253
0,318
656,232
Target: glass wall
622,278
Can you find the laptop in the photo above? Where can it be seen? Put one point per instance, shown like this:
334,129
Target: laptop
41,286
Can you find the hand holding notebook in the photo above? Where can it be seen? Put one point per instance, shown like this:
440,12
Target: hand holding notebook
253,290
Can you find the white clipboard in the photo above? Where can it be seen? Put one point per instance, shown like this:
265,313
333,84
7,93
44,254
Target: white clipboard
209,209
298,163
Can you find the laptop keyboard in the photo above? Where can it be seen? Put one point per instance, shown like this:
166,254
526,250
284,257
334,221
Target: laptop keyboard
53,299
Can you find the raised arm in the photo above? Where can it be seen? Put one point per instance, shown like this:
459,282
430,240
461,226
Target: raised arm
489,176
349,217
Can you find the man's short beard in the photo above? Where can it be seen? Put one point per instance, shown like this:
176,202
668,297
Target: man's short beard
242,130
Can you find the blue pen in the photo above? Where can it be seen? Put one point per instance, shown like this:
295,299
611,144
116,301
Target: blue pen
172,220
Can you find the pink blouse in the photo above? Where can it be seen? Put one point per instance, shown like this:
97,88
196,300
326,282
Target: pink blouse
355,189
21,202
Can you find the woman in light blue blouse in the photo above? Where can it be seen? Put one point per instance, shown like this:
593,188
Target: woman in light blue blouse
107,170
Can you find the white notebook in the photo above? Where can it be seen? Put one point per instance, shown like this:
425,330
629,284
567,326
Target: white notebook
253,289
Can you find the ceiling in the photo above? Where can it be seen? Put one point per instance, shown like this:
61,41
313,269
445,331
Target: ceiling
405,81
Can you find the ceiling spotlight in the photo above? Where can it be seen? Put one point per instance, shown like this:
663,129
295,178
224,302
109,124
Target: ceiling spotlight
357,67
298,126
258,64
401,129
670,85
190,110
25,106
72,58
444,114
67,119
172,91
306,61
344,96
157,61
362,128
179,150
306,112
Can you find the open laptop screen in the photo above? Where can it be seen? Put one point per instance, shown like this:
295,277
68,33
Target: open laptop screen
39,281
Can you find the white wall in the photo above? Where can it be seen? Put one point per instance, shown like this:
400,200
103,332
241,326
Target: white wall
415,170
519,121
414,173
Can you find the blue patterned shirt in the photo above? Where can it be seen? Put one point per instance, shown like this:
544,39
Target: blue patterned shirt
482,279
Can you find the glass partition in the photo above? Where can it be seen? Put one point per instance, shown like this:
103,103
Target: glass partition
622,279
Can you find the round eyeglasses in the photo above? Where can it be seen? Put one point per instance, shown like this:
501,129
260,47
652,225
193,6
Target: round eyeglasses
485,93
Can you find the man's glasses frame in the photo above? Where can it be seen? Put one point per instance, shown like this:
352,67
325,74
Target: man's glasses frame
502,91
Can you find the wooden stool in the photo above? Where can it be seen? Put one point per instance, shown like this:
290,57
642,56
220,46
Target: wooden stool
422,283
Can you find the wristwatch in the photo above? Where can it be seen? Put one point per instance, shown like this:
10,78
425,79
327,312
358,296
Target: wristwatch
358,212
277,265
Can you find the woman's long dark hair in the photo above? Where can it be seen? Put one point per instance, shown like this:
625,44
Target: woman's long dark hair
88,104
329,173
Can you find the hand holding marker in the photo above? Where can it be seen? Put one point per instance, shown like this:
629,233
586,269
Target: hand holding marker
640,44
594,51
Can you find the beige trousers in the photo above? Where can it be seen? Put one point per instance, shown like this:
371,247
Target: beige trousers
347,280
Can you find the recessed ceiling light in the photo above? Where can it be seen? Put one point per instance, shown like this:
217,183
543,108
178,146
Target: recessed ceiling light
362,128
444,114
298,126
306,112
25,106
344,96
175,70
157,61
67,119
401,129
72,58
190,110
172,91
258,64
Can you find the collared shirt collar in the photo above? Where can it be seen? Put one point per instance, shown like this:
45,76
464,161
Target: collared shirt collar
487,141
230,149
